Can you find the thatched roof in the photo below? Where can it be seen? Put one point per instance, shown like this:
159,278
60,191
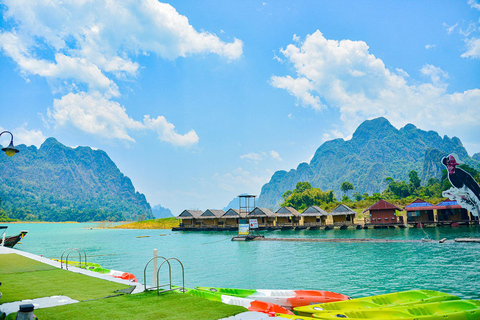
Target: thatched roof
313,211
260,213
383,205
190,214
287,212
419,205
211,213
235,213
342,210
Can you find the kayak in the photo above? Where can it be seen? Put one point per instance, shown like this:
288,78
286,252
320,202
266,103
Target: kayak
285,298
384,300
95,267
450,309
292,317
250,304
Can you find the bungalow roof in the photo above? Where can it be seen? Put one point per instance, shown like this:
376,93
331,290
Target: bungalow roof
313,211
190,214
211,213
260,213
419,205
287,212
234,213
382,205
448,204
341,210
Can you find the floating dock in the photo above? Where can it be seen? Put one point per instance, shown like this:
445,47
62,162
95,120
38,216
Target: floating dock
344,240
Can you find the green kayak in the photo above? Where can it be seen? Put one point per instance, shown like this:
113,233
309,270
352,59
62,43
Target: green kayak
443,310
379,301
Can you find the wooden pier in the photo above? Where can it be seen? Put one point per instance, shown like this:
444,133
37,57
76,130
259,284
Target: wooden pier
344,240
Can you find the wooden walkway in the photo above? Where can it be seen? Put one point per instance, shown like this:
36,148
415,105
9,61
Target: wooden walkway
341,240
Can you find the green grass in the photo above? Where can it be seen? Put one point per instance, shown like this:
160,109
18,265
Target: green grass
164,223
24,278
167,306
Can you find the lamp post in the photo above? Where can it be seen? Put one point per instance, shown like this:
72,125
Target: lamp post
10,150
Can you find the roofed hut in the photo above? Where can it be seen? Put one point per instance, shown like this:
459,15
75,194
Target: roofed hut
450,211
211,217
190,218
313,216
383,213
342,215
420,211
231,217
287,217
265,217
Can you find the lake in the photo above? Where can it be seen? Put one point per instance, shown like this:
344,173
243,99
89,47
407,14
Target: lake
212,259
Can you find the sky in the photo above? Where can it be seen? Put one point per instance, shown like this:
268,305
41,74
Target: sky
199,101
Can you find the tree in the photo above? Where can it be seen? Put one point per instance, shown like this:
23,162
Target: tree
302,186
346,186
414,181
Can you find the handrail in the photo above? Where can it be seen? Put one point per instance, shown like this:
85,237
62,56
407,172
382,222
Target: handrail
182,289
79,258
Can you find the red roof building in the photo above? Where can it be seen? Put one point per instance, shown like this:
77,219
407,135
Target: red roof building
383,212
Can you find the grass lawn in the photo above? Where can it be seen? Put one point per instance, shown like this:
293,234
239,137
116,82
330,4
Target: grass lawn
167,306
24,278
164,223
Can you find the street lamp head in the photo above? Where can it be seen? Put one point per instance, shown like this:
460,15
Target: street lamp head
10,150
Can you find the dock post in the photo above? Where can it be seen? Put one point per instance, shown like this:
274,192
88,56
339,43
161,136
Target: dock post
155,254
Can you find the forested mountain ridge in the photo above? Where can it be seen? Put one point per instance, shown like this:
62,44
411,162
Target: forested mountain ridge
377,150
59,183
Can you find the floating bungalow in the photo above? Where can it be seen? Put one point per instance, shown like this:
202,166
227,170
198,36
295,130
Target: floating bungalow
343,216
287,218
313,217
190,218
265,217
211,218
449,211
383,214
230,218
420,211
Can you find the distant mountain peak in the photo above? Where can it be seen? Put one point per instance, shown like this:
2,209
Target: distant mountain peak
377,150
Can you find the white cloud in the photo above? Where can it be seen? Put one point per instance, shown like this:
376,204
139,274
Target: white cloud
252,156
430,46
93,113
166,132
257,157
22,135
450,29
275,155
474,4
84,49
349,78
473,50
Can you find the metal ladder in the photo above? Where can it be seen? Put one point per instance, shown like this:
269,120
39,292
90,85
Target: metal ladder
169,284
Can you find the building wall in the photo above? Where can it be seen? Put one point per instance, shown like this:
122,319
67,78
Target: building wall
383,216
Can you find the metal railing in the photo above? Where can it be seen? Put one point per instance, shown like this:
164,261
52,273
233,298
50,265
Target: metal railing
70,250
169,284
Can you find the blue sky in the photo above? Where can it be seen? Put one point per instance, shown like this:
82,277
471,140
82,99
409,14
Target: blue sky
199,101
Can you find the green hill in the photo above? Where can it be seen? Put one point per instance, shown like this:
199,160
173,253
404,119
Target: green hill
59,183
376,151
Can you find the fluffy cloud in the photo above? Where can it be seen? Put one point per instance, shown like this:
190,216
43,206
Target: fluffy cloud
95,114
473,49
24,136
84,48
257,157
346,76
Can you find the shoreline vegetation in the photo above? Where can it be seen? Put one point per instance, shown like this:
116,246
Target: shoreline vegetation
163,223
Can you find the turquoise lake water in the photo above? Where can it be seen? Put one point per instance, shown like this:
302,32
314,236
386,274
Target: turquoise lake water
212,259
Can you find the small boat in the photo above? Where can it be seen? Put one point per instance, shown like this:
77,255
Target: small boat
379,301
450,309
285,298
95,267
12,240
250,304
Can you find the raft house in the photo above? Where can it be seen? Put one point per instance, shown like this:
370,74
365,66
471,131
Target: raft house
382,214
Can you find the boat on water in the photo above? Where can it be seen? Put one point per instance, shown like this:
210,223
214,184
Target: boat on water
9,242
285,298
401,298
445,310
95,267
250,304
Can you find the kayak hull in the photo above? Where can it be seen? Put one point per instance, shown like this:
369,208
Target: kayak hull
379,301
286,298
